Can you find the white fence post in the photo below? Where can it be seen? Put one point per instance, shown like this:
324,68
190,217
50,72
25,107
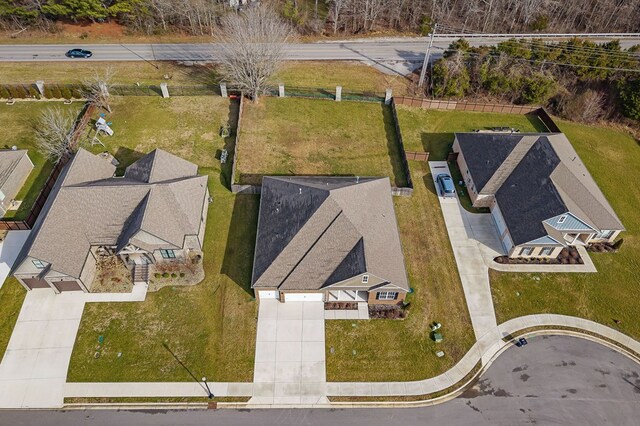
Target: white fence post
338,93
223,89
40,86
281,90
165,90
387,96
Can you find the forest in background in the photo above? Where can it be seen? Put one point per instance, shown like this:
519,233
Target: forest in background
200,17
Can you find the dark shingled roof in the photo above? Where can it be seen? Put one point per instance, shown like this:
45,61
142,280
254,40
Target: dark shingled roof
484,153
524,210
317,231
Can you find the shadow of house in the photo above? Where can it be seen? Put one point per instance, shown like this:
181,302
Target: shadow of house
393,147
126,157
238,255
427,179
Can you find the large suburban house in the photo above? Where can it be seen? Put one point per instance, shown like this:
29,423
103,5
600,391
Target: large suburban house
155,212
15,167
542,197
328,239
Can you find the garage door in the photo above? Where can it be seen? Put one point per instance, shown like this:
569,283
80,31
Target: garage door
67,286
304,297
35,283
268,294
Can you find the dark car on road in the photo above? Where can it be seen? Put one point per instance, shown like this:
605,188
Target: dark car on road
445,185
78,53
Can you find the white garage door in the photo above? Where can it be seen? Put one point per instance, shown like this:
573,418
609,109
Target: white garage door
268,294
303,297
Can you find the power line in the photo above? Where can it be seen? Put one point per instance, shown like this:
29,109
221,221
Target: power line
544,62
558,45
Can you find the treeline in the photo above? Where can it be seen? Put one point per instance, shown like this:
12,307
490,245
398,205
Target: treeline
200,17
582,80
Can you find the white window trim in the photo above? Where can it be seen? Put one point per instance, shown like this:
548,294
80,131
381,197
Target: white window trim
39,264
387,295
365,279
549,249
167,251
562,218
526,251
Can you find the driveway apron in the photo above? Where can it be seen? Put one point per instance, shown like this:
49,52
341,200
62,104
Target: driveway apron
290,354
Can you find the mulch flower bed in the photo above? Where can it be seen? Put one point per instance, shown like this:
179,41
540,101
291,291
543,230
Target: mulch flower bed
334,306
568,256
602,248
386,312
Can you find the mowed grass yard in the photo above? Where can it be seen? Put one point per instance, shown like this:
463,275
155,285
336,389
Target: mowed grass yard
11,297
18,128
210,327
396,350
352,76
613,159
294,136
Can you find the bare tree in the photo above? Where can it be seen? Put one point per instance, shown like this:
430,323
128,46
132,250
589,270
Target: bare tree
251,48
53,133
96,88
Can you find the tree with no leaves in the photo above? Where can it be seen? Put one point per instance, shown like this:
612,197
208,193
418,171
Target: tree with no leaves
96,88
53,133
251,48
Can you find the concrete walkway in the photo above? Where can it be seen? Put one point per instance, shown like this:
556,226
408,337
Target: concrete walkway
9,249
470,236
33,371
290,354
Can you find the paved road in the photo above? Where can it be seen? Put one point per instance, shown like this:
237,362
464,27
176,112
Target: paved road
553,380
375,50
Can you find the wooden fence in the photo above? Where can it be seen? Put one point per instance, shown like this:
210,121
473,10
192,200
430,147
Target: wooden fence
464,106
417,156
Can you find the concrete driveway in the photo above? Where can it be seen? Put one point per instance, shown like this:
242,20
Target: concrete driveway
290,354
33,370
471,235
9,249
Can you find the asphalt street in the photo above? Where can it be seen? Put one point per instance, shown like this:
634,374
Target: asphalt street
407,50
552,380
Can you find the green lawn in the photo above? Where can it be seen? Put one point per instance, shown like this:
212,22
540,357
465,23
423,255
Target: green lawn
18,123
432,131
389,350
293,136
210,327
613,159
11,297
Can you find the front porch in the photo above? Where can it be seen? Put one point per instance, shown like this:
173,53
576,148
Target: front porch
347,296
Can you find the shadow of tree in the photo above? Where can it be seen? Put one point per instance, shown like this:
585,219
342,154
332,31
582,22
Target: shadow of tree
230,143
238,255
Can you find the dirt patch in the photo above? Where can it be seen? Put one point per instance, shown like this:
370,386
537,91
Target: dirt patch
112,276
386,312
94,29
171,274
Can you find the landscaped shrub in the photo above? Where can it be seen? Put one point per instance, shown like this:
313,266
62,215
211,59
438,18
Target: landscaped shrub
33,93
157,275
17,91
181,274
174,275
4,92
165,275
66,93
76,92
55,92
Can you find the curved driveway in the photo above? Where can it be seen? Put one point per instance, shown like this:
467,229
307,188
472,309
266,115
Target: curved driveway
552,380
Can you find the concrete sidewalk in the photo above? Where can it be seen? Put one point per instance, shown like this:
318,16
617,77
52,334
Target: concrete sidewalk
9,250
470,235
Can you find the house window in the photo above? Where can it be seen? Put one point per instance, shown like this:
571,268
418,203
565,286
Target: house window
38,264
526,251
387,295
365,279
546,251
562,218
606,234
167,254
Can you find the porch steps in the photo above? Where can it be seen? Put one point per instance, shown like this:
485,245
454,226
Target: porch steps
141,274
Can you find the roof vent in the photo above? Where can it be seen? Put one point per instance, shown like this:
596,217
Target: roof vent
300,189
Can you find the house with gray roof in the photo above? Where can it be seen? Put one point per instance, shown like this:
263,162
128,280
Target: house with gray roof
541,195
15,167
328,239
156,212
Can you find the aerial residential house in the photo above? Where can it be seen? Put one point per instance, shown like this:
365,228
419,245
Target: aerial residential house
15,167
155,212
328,239
542,197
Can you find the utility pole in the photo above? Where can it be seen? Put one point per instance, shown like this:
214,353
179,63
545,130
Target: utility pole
427,56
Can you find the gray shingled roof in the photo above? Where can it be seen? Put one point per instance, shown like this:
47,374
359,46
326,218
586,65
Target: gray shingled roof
317,231
549,180
89,207
9,159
